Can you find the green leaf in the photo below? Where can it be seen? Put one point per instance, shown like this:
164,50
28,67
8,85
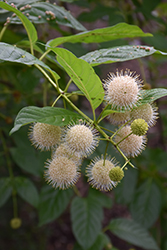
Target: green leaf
86,216
59,16
5,190
27,191
24,154
101,198
125,191
133,233
83,76
118,54
101,241
120,30
11,53
31,31
49,115
52,203
146,205
152,95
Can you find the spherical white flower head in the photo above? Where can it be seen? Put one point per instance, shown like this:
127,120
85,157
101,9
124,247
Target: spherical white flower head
45,136
63,150
147,112
81,138
61,172
98,174
122,90
119,118
132,145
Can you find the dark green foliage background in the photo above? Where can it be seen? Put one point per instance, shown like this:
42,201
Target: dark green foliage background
133,214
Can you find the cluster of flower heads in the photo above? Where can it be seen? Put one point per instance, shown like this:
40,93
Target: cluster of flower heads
123,93
71,144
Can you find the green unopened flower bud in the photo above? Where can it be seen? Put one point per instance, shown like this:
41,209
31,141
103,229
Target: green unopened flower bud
15,223
139,127
116,174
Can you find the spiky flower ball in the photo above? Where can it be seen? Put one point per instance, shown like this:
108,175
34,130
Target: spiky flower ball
147,111
139,127
119,118
61,172
45,136
98,173
15,223
63,150
131,145
116,174
81,138
122,90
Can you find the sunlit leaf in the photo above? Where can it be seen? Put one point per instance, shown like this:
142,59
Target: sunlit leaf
120,30
83,76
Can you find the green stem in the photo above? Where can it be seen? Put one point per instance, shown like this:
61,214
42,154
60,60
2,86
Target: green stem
99,118
76,109
108,130
105,153
56,100
48,77
44,54
67,86
121,128
3,31
124,138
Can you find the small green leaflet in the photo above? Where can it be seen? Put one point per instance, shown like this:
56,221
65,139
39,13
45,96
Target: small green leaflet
49,115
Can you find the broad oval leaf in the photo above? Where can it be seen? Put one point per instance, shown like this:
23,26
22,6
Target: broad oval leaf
133,233
11,53
49,115
5,190
146,205
118,54
27,191
152,95
124,194
120,30
39,12
52,203
86,216
31,31
83,75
